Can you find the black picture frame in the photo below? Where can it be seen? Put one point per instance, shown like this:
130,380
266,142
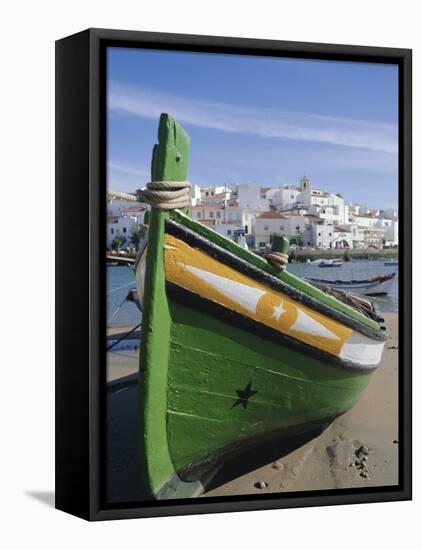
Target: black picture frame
80,270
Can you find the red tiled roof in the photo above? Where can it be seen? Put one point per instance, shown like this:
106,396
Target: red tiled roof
206,207
135,209
272,214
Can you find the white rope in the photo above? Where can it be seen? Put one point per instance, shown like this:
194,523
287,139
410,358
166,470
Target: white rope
278,259
166,194
121,196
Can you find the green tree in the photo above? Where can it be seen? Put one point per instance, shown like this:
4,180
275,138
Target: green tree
297,240
118,241
135,238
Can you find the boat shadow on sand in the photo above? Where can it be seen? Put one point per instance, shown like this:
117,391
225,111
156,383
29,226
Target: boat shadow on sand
124,480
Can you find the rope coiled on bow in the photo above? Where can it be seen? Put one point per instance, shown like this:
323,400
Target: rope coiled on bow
166,195
278,259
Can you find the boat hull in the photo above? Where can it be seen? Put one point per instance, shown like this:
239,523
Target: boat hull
228,385
236,373
391,264
375,287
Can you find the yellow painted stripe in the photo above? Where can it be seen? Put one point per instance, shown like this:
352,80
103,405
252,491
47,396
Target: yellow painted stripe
194,270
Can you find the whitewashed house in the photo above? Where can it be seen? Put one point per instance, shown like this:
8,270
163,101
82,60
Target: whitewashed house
267,224
121,226
195,195
285,197
214,214
208,214
216,194
326,205
248,195
116,207
391,231
231,231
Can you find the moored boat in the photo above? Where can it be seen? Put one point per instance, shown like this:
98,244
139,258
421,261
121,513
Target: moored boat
373,286
330,263
391,263
234,350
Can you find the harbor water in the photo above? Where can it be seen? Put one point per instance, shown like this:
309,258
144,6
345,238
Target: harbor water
120,279
354,270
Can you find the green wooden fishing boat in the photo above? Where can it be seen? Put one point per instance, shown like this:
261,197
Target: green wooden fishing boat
234,350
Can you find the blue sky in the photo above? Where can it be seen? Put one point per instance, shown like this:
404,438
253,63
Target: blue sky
267,121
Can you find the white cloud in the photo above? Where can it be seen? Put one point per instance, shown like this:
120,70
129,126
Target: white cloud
126,169
263,122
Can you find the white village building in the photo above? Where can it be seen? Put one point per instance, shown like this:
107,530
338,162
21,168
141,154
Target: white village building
248,195
124,218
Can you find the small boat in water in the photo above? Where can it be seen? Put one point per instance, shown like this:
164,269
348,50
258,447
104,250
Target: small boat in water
391,263
377,285
330,263
235,350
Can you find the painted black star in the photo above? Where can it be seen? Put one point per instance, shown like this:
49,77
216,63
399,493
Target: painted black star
244,396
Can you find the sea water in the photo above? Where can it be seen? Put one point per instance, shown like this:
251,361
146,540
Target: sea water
120,279
354,270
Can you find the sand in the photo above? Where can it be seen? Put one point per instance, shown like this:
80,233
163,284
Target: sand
312,462
124,362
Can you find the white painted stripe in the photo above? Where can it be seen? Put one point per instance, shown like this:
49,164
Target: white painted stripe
362,353
305,323
196,416
245,295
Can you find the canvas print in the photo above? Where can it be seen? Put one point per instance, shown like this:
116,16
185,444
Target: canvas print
252,275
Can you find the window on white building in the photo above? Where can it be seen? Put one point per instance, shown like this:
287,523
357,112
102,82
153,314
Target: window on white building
198,214
265,227
211,215
112,231
218,214
124,230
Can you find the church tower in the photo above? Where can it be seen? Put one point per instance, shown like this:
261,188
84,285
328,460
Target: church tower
305,183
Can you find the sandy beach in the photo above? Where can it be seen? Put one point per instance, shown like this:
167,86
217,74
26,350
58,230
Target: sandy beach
359,449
